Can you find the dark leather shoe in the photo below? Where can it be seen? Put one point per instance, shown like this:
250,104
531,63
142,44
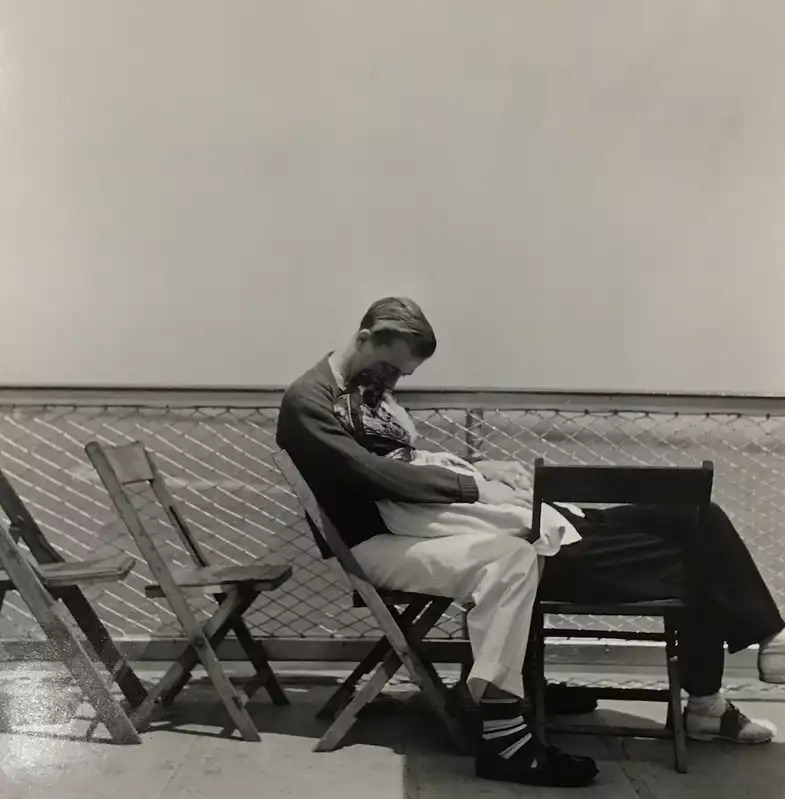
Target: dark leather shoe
539,765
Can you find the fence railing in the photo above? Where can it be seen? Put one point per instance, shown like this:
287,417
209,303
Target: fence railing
216,448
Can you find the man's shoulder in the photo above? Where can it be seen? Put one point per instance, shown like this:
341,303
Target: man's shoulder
308,397
313,386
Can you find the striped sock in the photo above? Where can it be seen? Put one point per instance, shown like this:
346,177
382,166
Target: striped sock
504,731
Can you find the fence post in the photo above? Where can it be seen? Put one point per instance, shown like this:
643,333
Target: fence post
474,422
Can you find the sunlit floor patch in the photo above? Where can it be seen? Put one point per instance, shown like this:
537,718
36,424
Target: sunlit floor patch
40,712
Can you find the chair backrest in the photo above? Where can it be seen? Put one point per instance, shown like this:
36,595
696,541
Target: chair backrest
317,518
24,526
630,485
130,464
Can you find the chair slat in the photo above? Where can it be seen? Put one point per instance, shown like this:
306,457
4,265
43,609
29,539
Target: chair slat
74,572
393,597
658,607
634,485
214,579
130,463
176,519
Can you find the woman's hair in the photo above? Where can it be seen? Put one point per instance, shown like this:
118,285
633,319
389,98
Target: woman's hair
394,318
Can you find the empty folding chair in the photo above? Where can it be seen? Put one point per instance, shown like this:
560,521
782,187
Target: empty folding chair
99,570
43,577
234,588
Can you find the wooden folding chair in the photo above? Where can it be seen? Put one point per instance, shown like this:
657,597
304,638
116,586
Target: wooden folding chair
234,588
42,583
664,486
112,569
404,618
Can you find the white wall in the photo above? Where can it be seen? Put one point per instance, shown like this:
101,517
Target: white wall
581,194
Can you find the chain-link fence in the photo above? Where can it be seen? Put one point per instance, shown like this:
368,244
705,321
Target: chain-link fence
216,451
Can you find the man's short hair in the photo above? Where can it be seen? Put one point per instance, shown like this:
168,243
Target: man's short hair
394,318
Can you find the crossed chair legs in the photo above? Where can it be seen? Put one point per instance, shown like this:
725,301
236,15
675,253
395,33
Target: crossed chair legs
400,647
204,640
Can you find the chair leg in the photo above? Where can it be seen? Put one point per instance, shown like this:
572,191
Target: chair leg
466,667
338,730
674,692
343,694
98,636
189,659
201,649
234,701
536,667
435,611
382,674
425,675
265,676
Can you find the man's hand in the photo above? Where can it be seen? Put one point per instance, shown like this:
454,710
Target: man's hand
511,473
494,492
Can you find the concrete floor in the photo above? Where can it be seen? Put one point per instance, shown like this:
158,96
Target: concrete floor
396,751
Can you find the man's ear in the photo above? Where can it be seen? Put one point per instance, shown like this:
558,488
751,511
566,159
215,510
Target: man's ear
362,336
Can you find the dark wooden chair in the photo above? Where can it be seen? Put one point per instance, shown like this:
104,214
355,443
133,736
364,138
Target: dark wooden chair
664,486
44,577
234,588
404,619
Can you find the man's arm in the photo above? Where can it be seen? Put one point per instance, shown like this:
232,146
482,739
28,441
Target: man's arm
309,430
512,473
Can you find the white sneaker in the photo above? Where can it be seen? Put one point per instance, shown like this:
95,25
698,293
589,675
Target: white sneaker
732,725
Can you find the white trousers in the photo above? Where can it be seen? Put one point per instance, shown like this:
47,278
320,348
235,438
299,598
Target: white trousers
497,573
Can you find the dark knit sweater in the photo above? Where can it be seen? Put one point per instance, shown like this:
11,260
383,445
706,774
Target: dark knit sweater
345,477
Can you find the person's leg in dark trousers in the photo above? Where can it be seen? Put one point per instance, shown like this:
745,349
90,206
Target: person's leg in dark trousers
637,553
634,553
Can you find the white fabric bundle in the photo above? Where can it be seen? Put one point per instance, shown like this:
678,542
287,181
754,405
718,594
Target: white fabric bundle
463,518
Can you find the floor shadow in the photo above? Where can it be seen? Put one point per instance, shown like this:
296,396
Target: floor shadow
393,721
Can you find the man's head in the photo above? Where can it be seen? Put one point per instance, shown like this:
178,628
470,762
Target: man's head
393,340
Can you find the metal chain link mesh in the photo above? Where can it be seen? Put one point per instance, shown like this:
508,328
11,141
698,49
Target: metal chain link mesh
218,463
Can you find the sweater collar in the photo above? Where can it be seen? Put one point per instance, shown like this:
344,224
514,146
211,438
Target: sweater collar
326,374
337,377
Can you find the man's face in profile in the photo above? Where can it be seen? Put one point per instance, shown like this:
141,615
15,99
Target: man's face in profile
384,363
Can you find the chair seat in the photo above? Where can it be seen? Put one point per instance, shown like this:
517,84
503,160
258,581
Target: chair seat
258,576
65,574
393,597
658,607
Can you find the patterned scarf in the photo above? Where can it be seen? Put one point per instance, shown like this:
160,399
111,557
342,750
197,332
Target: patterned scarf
368,411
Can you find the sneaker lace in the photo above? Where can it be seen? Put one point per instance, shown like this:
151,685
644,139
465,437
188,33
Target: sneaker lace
740,718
